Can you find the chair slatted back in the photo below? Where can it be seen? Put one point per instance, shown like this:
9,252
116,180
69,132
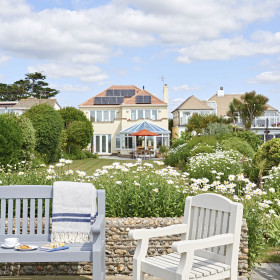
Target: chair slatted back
25,212
209,215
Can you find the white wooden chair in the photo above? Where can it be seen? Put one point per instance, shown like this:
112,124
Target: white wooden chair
209,246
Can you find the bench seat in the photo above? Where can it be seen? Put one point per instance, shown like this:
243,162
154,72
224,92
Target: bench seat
25,213
167,265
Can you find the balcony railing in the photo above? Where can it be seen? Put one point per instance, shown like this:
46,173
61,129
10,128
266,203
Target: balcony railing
260,122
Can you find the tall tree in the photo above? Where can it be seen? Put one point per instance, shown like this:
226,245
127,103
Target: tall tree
36,86
249,106
32,85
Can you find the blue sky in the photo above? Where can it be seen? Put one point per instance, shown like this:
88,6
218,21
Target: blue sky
85,46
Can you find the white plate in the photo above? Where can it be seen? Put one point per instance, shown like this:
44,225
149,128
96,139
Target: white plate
9,247
30,249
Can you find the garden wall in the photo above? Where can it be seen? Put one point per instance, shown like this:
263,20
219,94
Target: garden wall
120,250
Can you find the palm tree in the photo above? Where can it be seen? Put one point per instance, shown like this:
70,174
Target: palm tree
250,106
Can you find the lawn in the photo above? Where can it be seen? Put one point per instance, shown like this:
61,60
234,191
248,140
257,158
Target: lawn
270,255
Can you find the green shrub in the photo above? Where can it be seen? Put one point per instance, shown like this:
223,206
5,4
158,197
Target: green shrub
273,231
181,153
89,154
202,149
270,153
199,122
237,144
76,153
11,140
79,129
48,125
251,137
71,114
256,240
29,138
218,129
184,137
77,134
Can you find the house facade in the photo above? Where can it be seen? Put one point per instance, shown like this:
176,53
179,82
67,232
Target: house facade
218,104
18,107
119,111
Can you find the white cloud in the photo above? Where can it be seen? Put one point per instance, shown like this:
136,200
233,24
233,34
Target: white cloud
267,77
136,59
4,59
94,78
185,88
223,49
70,88
91,35
84,73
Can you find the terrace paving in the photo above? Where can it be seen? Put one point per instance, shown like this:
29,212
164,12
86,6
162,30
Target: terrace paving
266,271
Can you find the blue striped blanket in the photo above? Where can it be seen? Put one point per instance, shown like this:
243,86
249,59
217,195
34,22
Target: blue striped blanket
74,211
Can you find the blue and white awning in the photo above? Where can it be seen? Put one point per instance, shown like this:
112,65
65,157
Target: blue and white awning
145,125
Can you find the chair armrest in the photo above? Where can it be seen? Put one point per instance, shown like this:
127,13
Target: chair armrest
98,224
213,241
137,234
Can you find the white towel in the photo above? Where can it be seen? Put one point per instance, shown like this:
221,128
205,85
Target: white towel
74,211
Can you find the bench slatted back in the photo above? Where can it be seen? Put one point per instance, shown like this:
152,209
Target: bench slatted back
25,212
209,215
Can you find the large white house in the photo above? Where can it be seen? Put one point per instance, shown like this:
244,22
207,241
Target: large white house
218,104
119,111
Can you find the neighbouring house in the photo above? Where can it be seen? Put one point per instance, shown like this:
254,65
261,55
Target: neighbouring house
119,111
218,104
18,107
7,106
25,104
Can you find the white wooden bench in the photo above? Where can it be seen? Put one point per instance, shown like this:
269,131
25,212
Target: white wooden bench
25,214
208,250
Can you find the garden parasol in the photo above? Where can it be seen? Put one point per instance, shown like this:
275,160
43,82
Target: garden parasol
144,132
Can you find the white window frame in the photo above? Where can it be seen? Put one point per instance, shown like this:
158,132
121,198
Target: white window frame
144,114
112,115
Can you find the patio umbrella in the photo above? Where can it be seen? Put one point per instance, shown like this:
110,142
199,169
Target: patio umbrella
144,132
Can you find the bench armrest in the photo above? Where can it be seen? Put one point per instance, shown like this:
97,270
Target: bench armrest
137,234
213,241
98,224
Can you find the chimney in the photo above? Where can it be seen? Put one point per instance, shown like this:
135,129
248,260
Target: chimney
165,93
220,92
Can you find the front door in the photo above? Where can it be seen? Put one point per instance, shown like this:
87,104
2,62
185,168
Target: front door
102,144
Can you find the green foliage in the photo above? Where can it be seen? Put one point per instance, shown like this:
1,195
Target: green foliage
251,137
250,105
273,231
70,114
29,138
202,149
237,144
184,137
181,153
163,149
256,240
48,125
218,129
11,139
89,154
79,130
32,85
77,134
215,166
199,122
270,152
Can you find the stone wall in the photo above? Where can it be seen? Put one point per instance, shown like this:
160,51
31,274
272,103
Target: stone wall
120,250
